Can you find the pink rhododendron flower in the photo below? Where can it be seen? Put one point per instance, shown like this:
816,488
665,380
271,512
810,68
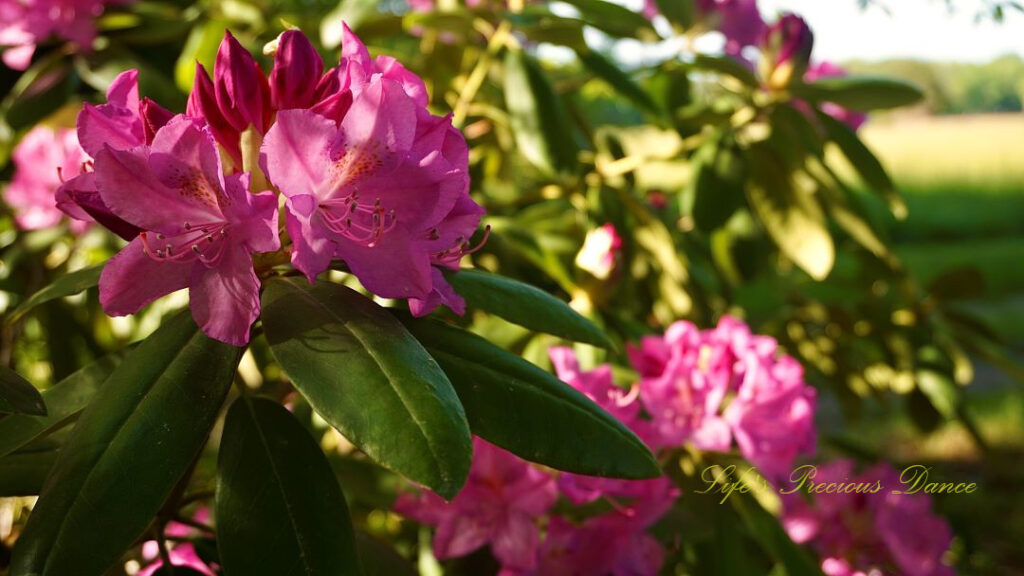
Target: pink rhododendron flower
499,506
710,387
370,177
200,229
124,122
182,554
738,20
829,70
599,252
870,530
41,159
25,23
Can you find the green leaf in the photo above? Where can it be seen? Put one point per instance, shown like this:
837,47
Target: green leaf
39,91
279,508
718,179
127,451
201,46
521,408
864,162
64,401
23,473
678,12
793,218
363,372
614,19
540,123
862,94
19,396
616,78
526,306
66,285
728,66
772,537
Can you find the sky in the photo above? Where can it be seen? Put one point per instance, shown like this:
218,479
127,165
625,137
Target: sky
922,29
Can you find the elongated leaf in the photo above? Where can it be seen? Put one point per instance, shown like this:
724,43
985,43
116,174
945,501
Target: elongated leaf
368,377
718,180
280,510
127,451
864,162
64,400
862,94
678,12
619,80
726,65
526,306
516,405
66,285
19,396
539,120
773,538
613,18
23,473
792,218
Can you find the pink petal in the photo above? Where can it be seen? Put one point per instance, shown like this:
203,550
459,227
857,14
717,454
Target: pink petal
515,543
297,69
312,248
131,190
461,534
294,152
378,130
131,279
390,268
240,86
184,157
225,299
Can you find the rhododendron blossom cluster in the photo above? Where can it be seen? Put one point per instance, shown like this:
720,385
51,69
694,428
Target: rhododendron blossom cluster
367,174
41,159
26,23
700,387
874,529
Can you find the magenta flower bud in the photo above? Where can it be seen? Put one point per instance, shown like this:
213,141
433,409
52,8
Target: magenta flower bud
154,116
202,103
786,46
297,70
243,94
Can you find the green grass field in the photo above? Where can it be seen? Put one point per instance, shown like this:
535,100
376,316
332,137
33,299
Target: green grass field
963,180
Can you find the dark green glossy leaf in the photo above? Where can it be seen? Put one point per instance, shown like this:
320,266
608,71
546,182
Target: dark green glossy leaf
539,121
64,401
864,162
516,405
526,306
368,377
614,19
19,396
280,510
768,531
66,285
619,80
862,94
39,91
23,473
127,451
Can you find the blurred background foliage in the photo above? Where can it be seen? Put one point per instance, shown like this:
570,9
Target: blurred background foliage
895,289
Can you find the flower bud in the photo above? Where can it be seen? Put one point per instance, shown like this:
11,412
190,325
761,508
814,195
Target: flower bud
154,116
297,70
243,95
202,103
786,49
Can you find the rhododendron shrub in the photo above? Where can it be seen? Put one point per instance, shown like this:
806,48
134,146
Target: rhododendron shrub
451,303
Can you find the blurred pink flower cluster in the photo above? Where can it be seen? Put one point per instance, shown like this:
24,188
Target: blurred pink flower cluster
871,532
704,387
713,387
368,176
26,23
41,159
